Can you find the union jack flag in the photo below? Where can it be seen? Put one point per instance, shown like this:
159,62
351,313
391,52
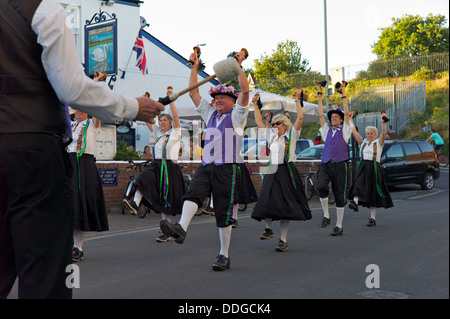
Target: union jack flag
141,60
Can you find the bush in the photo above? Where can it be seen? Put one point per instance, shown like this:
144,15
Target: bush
422,75
124,153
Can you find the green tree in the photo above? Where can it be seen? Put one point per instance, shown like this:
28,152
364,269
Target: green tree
411,35
272,70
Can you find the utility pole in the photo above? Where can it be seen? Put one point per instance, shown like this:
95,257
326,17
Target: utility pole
326,51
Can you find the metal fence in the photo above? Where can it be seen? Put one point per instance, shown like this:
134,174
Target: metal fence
397,100
437,62
281,84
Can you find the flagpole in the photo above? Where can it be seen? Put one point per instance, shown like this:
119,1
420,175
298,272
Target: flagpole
126,66
128,62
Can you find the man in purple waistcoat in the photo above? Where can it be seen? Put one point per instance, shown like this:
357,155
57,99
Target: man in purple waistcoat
219,173
334,159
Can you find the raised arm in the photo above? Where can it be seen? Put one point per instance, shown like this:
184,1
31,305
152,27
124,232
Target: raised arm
383,133
176,119
298,122
174,111
344,102
244,96
383,128
195,93
320,106
258,117
267,118
356,135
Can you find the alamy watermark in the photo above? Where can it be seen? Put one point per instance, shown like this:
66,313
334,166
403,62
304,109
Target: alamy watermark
373,279
73,279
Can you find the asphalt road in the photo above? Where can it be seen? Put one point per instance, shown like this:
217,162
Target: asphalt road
409,248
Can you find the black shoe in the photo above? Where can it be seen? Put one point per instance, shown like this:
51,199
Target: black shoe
162,238
222,263
372,222
325,222
173,230
267,234
337,231
77,255
235,224
130,206
282,246
353,206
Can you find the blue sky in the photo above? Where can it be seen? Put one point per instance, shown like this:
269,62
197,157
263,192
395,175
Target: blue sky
259,25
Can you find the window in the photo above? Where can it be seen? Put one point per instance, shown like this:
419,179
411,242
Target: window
427,149
312,152
300,146
73,21
395,152
412,151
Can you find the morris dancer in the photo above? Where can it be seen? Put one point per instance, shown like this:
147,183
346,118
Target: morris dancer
369,188
282,196
161,184
334,159
219,173
89,201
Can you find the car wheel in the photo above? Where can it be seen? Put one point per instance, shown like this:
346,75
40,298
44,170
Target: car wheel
427,181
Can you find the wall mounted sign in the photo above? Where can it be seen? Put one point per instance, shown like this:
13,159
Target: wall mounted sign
108,176
100,50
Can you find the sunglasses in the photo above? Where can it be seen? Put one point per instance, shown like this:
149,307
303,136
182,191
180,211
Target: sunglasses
277,123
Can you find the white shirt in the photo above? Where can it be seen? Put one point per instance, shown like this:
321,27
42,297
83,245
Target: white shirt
367,150
238,115
172,138
277,145
91,137
346,131
65,72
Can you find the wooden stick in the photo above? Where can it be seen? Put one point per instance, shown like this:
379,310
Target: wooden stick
172,97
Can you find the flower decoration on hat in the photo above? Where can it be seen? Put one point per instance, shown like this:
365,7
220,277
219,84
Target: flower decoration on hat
225,90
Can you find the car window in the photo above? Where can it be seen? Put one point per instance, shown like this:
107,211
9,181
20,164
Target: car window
427,149
412,151
300,146
312,152
395,152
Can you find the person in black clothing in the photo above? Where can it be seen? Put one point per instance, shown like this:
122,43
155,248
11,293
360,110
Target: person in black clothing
39,69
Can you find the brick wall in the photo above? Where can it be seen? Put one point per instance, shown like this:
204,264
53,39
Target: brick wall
114,194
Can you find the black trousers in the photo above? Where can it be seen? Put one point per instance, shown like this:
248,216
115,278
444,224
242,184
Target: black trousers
337,174
36,216
223,182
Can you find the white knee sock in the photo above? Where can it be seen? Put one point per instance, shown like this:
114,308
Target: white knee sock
373,211
165,217
356,199
324,203
284,229
78,236
235,211
137,197
268,223
340,216
225,238
189,210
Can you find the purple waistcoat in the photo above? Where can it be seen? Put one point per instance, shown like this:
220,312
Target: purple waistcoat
222,143
335,149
